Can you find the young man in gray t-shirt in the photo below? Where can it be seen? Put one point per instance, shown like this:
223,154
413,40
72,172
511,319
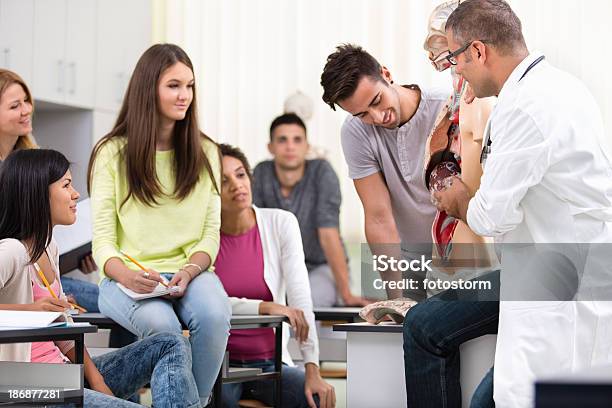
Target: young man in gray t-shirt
311,191
384,142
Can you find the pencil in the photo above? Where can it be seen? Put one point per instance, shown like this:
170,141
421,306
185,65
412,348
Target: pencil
82,309
138,264
44,279
46,282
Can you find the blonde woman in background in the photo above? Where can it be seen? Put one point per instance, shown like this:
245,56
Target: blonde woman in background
16,107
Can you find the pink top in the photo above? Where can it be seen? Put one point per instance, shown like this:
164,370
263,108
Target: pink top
46,351
240,266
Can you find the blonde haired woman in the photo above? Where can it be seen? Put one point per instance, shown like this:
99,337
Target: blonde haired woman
16,107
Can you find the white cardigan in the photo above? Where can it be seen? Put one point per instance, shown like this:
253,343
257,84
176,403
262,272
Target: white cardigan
285,275
16,277
14,289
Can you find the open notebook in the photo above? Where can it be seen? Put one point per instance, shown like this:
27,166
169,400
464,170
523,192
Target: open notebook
160,290
17,319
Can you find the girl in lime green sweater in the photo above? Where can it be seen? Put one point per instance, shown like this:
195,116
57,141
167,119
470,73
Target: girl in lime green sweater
154,187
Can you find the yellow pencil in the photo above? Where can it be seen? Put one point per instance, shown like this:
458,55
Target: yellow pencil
46,282
139,265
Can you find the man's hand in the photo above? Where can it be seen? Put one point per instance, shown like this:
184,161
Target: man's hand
87,264
351,300
314,384
454,199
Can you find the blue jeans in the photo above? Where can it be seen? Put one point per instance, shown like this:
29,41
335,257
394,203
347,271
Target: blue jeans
163,360
204,309
433,331
293,379
85,293
483,394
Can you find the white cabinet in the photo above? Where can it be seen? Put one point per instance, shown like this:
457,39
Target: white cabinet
77,57
64,57
80,52
16,36
68,131
124,33
49,82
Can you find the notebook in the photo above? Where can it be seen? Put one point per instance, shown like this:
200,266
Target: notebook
160,290
18,319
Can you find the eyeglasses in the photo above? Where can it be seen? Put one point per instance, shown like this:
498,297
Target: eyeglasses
440,63
447,58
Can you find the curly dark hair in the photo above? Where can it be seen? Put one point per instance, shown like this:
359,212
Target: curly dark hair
236,153
343,71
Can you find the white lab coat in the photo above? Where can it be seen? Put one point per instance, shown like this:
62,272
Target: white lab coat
547,179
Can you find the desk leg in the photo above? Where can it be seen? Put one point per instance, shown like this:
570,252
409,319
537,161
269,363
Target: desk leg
278,366
79,348
217,389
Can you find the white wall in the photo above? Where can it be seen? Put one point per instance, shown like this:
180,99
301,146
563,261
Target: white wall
250,54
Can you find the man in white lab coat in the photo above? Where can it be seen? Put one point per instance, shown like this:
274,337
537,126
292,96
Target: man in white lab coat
547,179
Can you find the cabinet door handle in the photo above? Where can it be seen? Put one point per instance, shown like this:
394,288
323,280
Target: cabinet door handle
60,76
73,82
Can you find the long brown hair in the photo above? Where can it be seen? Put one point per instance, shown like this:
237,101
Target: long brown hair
138,121
8,78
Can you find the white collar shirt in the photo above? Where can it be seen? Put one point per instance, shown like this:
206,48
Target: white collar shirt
548,177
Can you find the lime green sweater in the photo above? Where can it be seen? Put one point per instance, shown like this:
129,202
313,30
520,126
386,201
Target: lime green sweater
163,236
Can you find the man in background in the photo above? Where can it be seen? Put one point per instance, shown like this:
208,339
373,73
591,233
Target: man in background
311,191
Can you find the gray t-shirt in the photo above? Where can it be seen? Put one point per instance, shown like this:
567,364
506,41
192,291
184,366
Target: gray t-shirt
315,201
398,154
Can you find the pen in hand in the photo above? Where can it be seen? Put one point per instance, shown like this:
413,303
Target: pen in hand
141,267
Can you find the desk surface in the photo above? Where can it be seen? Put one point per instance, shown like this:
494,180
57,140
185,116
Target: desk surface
244,320
321,313
48,331
384,327
93,318
237,321
337,313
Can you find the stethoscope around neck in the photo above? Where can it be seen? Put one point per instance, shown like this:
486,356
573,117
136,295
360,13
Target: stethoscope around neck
486,148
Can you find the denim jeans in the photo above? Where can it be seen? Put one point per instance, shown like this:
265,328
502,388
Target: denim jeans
293,379
483,395
204,309
433,331
86,295
163,360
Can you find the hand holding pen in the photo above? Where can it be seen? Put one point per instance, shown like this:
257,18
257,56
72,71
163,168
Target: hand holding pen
145,280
